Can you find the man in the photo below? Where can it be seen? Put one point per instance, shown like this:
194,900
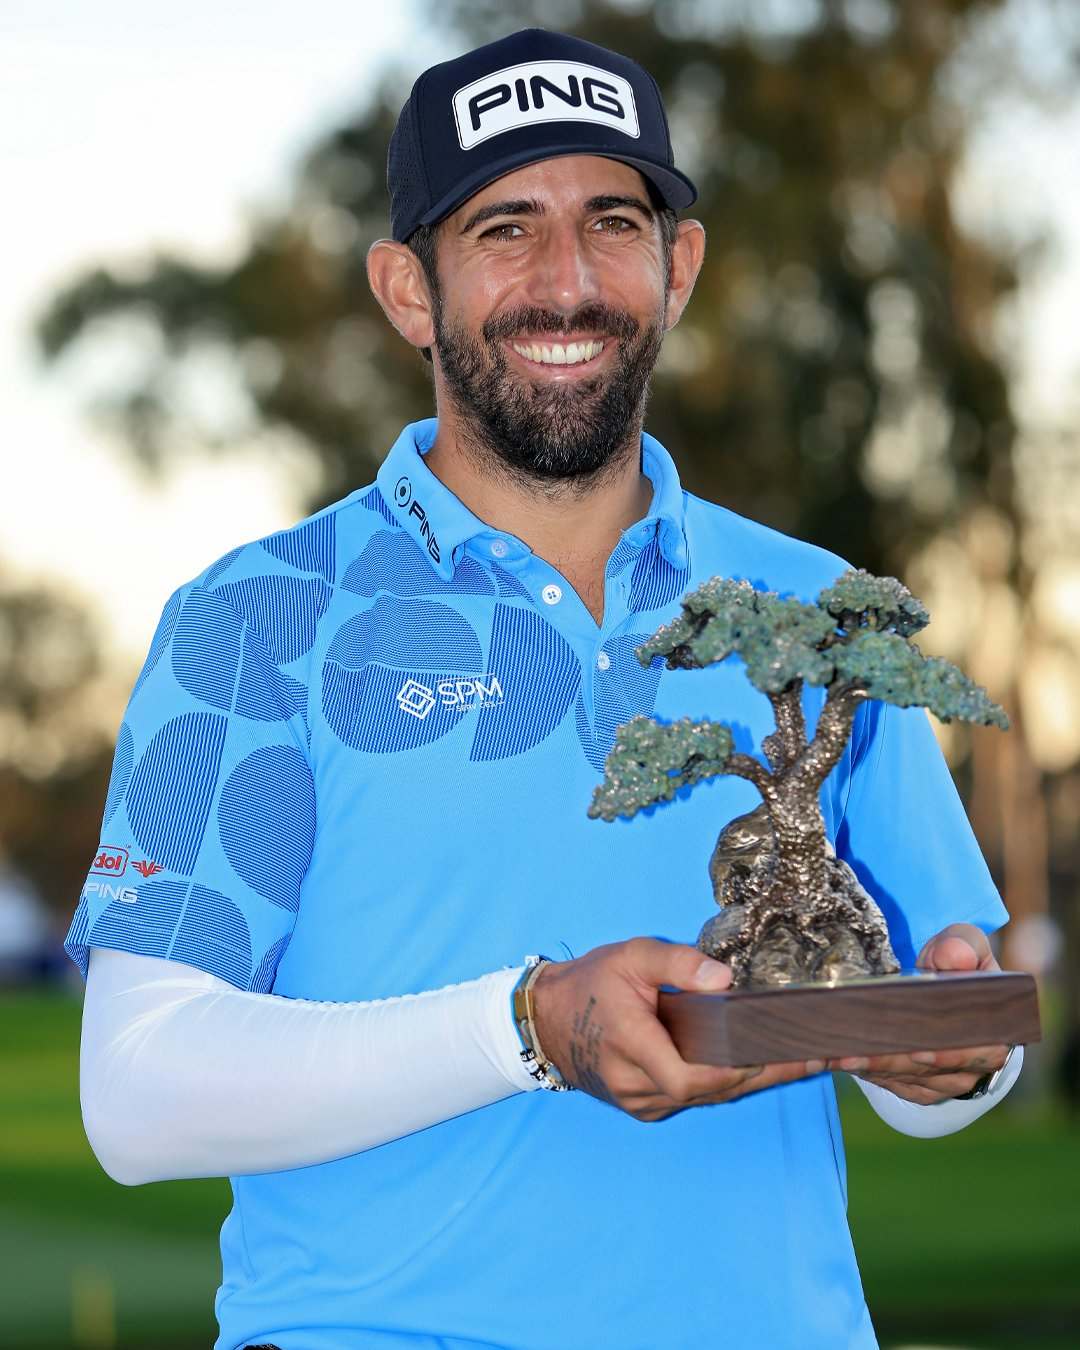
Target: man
350,795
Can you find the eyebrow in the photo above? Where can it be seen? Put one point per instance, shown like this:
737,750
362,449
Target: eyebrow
519,207
525,206
614,202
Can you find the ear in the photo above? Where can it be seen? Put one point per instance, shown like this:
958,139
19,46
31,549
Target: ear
398,282
687,255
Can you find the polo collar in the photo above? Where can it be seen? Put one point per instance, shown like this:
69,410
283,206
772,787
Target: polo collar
667,512
442,526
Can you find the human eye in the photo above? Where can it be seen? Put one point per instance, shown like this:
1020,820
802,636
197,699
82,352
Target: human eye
613,224
502,231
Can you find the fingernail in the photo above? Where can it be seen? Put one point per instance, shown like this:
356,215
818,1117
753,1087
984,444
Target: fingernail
924,1057
854,1065
712,973
815,1066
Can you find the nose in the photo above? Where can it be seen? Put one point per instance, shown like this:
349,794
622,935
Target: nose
563,275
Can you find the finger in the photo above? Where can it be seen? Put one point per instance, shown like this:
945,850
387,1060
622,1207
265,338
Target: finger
654,1053
942,1088
976,1058
656,964
951,953
636,1092
919,1093
775,1074
727,1085
926,1063
765,1076
960,947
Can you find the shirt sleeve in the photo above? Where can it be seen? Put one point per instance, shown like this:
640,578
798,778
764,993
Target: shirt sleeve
210,816
905,833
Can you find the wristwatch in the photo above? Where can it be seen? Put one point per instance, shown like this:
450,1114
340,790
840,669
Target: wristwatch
534,1059
986,1082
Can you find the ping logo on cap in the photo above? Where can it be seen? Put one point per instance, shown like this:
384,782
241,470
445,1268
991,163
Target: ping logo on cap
543,91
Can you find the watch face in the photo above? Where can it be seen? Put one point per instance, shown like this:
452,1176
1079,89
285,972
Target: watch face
987,1081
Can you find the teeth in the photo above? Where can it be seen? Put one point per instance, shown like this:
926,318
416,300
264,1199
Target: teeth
558,353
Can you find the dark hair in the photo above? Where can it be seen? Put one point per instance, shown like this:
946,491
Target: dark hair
424,244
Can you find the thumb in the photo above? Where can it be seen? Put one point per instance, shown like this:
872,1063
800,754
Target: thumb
950,953
689,969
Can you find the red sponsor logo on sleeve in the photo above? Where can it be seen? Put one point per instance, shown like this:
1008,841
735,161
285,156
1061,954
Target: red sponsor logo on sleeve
148,869
112,861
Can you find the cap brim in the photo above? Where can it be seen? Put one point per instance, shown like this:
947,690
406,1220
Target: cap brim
674,187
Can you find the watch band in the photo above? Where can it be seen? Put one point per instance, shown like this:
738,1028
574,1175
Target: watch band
986,1083
534,1059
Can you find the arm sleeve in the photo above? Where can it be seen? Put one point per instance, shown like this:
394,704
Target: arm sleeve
940,1118
184,1075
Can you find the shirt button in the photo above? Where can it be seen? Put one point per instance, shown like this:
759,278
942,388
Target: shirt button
499,548
603,661
551,595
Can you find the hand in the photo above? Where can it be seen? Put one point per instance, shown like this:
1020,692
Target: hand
929,1076
596,1021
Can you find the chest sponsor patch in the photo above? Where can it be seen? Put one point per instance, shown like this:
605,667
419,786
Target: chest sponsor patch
543,91
455,693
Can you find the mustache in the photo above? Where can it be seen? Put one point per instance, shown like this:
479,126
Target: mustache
531,319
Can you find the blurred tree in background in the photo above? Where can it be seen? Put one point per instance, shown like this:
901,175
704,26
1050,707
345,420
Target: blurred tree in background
834,375
54,753
839,373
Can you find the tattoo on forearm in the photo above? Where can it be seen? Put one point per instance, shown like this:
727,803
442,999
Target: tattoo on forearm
585,1052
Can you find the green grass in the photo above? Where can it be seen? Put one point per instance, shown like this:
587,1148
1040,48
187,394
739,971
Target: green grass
970,1242
88,1264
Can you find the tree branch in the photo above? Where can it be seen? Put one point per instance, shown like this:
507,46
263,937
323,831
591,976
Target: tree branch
746,766
790,725
831,737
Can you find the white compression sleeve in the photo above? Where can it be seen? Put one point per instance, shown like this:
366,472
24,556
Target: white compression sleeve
184,1075
939,1118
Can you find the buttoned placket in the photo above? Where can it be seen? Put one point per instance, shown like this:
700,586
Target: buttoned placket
563,608
559,603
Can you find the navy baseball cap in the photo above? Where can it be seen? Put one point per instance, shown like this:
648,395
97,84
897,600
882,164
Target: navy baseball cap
531,96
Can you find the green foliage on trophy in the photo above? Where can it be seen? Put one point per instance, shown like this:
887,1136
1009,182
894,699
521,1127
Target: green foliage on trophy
790,910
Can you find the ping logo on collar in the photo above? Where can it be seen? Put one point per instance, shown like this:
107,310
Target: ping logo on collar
405,501
543,91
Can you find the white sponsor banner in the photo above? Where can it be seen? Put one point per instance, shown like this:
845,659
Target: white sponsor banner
543,91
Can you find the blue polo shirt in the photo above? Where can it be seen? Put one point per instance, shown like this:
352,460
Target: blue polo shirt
357,764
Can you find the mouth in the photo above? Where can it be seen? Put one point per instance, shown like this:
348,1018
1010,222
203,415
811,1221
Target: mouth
559,353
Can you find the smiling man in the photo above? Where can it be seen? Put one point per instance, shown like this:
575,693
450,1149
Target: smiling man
350,794
568,288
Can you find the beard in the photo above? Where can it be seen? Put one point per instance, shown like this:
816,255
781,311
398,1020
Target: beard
549,433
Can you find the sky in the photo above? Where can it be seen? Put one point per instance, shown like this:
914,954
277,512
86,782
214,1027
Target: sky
229,95
126,128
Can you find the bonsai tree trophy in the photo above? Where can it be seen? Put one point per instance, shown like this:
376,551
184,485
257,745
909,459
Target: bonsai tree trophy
793,917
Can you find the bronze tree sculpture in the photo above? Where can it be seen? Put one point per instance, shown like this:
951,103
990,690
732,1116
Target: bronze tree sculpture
790,910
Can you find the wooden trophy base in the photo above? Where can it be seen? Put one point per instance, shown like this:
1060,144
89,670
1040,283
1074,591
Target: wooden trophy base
889,1014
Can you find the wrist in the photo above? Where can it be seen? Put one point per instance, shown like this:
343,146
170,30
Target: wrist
523,1004
987,1082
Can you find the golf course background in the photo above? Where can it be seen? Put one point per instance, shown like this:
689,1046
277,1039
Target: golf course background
971,1241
